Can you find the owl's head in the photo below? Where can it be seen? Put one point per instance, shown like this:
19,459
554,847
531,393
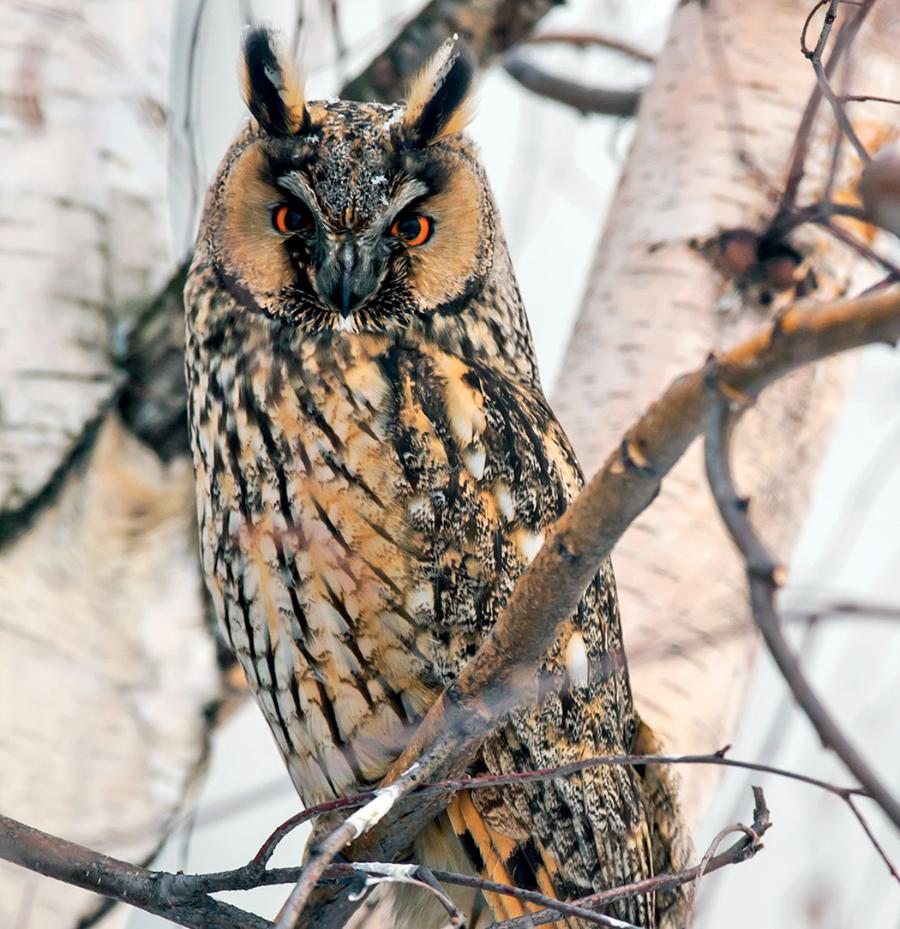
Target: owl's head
349,216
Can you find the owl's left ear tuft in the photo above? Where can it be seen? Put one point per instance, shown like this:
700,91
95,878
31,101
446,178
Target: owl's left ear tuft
440,98
271,87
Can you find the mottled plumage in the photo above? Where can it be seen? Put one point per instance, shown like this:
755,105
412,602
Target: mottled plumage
376,465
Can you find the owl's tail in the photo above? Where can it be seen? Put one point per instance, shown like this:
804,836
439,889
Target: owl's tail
501,858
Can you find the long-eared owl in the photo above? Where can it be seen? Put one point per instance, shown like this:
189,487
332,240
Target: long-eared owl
376,465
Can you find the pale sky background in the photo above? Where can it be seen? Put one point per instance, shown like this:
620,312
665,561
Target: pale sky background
553,173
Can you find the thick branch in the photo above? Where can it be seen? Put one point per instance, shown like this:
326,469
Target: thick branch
603,101
549,591
489,28
152,891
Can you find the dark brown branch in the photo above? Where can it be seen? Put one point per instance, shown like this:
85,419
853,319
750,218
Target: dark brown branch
153,891
765,577
867,98
844,40
603,101
264,855
184,898
489,28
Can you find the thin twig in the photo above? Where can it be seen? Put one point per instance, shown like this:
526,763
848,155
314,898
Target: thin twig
867,98
765,577
584,39
704,864
352,828
745,848
845,37
448,786
860,247
876,844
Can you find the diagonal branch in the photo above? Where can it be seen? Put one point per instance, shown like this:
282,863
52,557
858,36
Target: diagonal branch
765,577
489,28
549,591
153,891
603,101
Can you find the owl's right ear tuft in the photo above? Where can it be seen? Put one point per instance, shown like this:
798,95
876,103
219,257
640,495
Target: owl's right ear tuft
271,87
440,98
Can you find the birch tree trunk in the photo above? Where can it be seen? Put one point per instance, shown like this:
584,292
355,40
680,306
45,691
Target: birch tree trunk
712,146
107,666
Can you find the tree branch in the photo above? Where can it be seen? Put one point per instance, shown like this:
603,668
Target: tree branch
490,28
843,41
153,891
585,39
184,899
502,673
765,577
598,100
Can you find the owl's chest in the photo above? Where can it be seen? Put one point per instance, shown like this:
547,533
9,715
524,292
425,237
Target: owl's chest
365,512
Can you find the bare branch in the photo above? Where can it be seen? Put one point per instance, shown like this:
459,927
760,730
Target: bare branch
598,100
490,28
815,57
549,591
152,891
743,849
585,39
845,36
183,899
765,577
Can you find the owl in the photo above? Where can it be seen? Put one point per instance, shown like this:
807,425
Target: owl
376,465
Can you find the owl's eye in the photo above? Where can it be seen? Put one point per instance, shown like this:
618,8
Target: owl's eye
290,219
412,229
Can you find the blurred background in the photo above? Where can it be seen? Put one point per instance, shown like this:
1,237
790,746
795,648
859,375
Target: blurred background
554,172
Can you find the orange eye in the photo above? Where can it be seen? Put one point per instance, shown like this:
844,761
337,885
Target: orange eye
413,229
288,219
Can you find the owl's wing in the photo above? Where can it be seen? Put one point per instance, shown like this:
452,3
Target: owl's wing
606,826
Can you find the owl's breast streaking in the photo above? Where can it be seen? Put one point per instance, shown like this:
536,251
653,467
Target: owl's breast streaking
367,505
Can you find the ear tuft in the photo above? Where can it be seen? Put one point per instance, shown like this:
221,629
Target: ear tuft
440,98
271,87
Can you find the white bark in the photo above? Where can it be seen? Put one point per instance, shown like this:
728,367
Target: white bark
106,663
731,76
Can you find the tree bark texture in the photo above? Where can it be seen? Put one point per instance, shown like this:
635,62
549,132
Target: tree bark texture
107,667
730,79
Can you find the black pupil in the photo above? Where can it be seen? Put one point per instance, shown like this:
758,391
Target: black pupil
294,220
410,227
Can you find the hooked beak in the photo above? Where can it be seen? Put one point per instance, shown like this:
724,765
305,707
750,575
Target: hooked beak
344,281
